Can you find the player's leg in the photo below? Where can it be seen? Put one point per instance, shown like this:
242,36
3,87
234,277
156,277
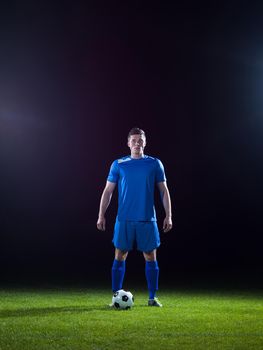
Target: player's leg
148,240
152,276
118,269
123,240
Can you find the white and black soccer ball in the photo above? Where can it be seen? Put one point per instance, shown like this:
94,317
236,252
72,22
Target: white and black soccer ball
122,300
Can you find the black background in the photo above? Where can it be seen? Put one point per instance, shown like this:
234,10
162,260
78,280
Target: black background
74,78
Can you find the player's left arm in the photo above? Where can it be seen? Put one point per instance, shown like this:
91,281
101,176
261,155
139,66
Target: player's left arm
166,200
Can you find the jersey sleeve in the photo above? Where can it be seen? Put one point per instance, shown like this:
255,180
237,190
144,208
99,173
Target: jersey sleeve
114,172
160,174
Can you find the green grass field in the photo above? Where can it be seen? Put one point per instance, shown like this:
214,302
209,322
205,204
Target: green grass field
80,319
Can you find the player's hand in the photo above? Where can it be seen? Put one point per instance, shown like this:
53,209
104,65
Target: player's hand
101,224
167,224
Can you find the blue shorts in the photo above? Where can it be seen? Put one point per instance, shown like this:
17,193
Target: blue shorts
144,233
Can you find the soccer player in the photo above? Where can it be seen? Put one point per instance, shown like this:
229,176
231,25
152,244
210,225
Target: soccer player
136,176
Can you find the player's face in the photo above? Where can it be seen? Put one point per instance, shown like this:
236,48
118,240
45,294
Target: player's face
136,143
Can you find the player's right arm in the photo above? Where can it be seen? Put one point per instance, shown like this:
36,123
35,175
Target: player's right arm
104,203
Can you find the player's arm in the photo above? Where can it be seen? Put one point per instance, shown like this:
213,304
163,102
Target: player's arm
166,200
104,203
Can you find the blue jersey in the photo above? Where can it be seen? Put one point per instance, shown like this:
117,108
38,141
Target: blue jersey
136,180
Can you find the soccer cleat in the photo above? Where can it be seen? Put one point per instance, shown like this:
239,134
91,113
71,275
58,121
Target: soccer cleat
154,302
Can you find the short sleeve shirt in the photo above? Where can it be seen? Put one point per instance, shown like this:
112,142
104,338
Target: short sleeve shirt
136,179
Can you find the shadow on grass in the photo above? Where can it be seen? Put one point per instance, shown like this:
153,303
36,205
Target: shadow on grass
28,312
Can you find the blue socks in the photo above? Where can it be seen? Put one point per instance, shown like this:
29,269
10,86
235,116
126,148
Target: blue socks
152,275
117,274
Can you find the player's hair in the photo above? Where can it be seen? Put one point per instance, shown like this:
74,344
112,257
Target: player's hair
136,131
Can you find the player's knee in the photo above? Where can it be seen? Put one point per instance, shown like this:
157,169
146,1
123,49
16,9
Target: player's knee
120,255
150,256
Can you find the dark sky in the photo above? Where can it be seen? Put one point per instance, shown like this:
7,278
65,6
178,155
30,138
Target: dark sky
74,78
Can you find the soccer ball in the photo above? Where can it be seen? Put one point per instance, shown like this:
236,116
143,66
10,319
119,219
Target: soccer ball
122,300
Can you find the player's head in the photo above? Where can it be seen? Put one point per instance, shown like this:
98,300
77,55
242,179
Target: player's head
136,131
136,141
